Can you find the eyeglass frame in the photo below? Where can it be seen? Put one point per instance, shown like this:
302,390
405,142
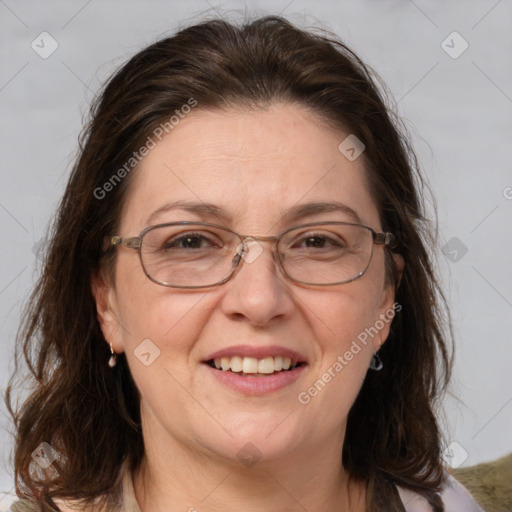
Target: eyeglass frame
383,238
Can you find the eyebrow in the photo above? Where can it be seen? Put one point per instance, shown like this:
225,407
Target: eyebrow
199,208
309,209
294,214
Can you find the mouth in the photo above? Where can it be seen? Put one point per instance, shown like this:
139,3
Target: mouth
255,370
253,367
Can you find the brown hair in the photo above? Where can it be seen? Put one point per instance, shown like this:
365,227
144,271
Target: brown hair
90,413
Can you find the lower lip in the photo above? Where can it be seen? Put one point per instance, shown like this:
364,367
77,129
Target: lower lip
257,385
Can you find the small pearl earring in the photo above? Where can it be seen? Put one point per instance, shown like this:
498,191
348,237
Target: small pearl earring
113,359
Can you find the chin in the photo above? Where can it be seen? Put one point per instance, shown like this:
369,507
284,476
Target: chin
257,441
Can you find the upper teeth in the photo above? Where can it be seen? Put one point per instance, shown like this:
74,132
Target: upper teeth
253,365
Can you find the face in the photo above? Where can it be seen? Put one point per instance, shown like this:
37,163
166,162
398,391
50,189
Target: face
254,168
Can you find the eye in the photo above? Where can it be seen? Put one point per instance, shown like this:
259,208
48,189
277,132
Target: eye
315,241
192,241
319,241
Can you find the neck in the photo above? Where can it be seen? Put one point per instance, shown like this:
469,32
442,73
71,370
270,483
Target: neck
182,478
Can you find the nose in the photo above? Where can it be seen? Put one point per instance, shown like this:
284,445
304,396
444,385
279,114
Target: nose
258,292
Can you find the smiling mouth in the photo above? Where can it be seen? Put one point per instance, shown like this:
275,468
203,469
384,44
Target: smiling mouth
253,367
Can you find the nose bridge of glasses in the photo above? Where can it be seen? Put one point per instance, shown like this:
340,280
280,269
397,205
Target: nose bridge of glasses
263,238
250,248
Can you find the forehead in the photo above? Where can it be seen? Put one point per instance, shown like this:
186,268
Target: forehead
255,166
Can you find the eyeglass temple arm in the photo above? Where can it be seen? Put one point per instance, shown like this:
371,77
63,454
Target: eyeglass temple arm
113,241
387,239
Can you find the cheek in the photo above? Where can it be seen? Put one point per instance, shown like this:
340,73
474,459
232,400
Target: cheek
163,327
170,318
345,323
341,316
340,322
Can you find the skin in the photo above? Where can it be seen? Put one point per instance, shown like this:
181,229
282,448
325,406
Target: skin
255,166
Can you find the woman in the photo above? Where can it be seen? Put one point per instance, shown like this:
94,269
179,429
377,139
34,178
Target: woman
238,309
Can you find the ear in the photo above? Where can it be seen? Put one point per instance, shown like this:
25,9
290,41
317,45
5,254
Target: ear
104,295
388,307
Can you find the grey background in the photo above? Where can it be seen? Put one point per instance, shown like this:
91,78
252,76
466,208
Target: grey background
459,111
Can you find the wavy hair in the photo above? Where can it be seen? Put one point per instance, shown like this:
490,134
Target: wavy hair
88,412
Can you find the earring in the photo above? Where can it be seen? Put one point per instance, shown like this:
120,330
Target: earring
113,358
376,362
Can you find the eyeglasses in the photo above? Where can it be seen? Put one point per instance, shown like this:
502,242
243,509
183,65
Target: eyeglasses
199,255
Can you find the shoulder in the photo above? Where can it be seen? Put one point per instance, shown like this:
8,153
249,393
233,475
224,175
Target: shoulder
455,496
